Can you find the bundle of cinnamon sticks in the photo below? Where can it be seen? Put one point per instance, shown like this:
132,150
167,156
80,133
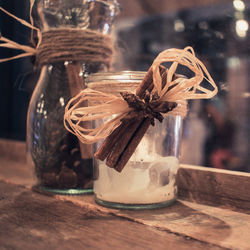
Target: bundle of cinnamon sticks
119,146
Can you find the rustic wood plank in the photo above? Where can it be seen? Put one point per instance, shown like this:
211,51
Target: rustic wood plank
210,226
198,184
17,172
214,225
32,221
214,186
13,150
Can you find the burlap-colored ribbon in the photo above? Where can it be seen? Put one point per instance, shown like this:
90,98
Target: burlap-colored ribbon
103,105
27,50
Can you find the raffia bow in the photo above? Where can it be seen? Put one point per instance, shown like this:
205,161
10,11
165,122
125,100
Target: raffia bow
103,105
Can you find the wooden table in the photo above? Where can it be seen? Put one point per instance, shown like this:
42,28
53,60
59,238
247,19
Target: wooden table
213,212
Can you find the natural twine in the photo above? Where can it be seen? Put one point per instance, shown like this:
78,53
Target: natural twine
103,105
63,44
68,44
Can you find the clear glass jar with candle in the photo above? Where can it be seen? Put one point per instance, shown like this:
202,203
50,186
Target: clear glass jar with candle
62,164
149,178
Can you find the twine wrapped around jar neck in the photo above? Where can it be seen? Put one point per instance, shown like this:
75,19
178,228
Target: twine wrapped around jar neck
63,44
68,44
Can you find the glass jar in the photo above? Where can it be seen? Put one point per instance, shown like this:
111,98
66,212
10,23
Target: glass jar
62,164
148,179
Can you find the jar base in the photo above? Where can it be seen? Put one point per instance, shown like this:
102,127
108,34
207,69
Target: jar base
70,191
117,205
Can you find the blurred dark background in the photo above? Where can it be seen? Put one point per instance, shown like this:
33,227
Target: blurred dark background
216,132
15,76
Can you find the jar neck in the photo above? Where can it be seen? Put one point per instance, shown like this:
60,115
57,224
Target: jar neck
117,76
84,69
115,82
97,15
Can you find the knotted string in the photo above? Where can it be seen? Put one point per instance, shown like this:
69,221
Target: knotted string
103,105
69,44
62,44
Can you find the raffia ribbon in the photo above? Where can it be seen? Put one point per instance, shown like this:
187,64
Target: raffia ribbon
27,50
105,105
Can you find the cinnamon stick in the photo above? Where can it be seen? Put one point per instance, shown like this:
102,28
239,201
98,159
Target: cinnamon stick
147,83
114,138
110,142
124,139
77,84
132,144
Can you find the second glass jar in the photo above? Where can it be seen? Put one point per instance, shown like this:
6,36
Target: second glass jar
61,163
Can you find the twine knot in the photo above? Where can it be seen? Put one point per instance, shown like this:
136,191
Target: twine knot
149,106
63,44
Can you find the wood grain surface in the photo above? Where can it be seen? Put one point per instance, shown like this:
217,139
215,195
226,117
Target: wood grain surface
229,189
214,186
29,220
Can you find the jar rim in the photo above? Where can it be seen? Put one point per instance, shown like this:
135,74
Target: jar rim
116,75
